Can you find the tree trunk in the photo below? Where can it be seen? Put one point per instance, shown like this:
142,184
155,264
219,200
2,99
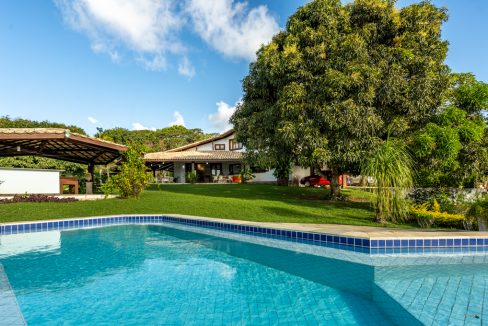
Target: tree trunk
282,181
335,189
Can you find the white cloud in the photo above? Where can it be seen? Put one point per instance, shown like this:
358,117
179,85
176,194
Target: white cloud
179,121
146,27
220,119
185,68
230,27
92,120
150,31
140,126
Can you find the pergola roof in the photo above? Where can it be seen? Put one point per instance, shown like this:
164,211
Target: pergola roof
59,144
191,156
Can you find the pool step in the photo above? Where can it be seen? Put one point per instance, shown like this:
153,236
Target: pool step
10,313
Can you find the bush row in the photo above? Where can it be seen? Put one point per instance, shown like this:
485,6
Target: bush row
36,199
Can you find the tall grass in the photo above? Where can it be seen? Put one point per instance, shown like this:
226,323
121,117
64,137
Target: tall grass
391,167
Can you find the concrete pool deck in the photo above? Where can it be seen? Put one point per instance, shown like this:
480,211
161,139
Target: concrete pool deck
370,232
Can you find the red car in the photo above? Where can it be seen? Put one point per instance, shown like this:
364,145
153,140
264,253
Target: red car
317,181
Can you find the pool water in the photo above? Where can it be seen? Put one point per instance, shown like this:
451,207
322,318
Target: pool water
167,275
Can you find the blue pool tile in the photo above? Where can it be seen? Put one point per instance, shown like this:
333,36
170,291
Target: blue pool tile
374,243
323,237
404,243
419,243
427,243
381,243
479,242
366,243
396,243
435,243
389,243
457,242
465,242
472,242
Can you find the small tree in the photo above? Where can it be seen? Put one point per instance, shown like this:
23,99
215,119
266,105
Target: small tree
391,167
132,177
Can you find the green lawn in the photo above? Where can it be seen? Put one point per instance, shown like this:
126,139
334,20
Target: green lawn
246,202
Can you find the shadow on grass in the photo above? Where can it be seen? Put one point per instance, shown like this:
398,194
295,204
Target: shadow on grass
246,191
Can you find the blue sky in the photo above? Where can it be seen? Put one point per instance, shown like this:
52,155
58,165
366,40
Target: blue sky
149,64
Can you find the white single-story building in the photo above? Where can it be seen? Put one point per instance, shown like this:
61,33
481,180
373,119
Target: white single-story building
29,181
219,156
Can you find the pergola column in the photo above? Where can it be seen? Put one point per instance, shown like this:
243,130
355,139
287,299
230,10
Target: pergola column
90,178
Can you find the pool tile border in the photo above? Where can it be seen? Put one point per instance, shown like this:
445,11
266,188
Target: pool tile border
367,245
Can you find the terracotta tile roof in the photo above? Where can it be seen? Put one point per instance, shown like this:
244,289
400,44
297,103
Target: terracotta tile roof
202,142
193,156
54,131
58,143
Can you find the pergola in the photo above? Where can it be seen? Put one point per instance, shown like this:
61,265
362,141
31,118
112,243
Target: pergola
58,143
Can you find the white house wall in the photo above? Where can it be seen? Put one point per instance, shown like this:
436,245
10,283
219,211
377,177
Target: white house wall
210,146
21,181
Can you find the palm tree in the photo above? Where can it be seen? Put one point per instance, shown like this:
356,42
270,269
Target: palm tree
391,167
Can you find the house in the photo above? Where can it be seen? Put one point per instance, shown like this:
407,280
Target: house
210,158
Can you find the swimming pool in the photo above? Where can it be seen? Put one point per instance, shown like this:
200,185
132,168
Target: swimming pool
178,274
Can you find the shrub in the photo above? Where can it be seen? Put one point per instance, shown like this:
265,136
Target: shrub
26,198
132,177
477,215
191,177
108,187
427,219
246,175
391,167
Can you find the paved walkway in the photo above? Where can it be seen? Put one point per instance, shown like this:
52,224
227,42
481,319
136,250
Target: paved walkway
353,230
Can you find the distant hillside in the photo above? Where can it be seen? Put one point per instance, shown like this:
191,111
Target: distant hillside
154,140
7,122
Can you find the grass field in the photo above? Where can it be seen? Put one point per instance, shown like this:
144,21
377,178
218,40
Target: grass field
245,202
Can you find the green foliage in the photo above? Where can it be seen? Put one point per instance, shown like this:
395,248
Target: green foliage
477,215
7,122
191,177
427,219
390,165
132,177
450,150
246,174
109,187
154,140
323,91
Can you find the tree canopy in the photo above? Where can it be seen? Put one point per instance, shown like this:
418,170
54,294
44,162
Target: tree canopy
330,88
153,140
452,149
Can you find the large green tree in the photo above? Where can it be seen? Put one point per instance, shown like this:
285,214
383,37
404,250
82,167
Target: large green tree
452,149
328,88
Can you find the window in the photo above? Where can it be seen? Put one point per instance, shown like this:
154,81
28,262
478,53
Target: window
233,145
234,169
216,169
219,147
